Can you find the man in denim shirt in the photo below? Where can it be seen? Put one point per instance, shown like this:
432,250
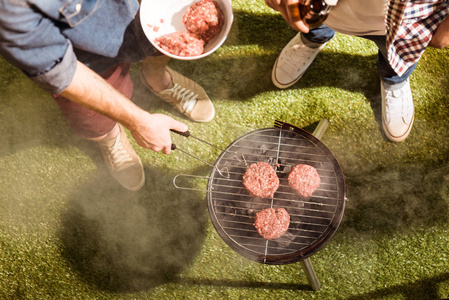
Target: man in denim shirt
80,52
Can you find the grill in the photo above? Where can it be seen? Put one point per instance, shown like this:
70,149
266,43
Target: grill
313,220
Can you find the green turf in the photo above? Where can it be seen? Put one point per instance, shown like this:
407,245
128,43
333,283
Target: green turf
68,231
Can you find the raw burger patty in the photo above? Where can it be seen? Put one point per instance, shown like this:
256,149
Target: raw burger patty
304,179
181,44
261,180
271,223
204,19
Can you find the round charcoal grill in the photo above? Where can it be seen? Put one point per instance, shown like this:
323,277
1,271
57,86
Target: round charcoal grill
313,220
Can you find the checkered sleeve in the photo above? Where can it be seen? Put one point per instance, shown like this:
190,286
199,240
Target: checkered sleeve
410,26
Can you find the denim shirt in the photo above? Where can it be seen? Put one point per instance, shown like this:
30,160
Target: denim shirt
45,38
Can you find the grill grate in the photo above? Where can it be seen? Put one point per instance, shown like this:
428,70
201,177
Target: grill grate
313,220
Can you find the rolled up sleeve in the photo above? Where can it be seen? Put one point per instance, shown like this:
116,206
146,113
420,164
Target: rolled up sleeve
35,45
58,78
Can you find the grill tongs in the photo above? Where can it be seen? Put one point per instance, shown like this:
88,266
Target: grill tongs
187,134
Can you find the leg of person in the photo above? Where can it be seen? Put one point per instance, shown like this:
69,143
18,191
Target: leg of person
298,54
120,158
398,111
181,92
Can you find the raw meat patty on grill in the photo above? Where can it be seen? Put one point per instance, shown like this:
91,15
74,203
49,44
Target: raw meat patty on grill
204,19
181,44
261,180
304,179
272,223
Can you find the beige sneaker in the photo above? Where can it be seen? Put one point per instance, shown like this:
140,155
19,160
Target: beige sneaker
187,96
122,161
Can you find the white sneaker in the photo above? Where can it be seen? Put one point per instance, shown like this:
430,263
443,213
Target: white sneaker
398,112
293,62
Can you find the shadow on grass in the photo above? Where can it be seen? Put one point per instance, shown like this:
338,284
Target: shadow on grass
241,78
29,116
124,241
397,199
423,289
244,284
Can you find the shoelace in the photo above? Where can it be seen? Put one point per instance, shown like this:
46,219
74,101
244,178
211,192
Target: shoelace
395,106
185,96
120,158
297,53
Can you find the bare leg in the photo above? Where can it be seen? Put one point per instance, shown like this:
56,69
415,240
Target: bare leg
111,134
154,70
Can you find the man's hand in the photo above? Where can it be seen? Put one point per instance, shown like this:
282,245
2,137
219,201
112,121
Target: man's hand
440,37
290,11
151,131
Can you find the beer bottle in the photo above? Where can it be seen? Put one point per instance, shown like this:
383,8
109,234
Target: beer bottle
314,12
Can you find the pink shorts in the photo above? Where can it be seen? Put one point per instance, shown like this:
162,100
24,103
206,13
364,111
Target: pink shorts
90,124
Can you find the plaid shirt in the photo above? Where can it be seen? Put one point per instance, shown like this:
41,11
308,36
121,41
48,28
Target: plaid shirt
410,26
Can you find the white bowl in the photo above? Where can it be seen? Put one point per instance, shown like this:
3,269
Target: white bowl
160,17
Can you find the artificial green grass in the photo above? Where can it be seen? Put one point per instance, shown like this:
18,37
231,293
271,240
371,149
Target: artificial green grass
68,231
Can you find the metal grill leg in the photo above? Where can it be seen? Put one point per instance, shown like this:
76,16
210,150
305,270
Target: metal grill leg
321,128
310,274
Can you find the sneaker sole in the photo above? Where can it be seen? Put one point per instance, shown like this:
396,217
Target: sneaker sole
400,138
289,84
282,85
134,189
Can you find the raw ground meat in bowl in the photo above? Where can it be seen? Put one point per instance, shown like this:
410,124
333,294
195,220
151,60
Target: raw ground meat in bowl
159,18
204,19
181,44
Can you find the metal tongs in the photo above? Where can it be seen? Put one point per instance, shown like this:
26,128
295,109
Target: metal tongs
187,134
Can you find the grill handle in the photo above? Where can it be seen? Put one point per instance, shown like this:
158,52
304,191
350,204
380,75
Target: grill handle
318,132
187,188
